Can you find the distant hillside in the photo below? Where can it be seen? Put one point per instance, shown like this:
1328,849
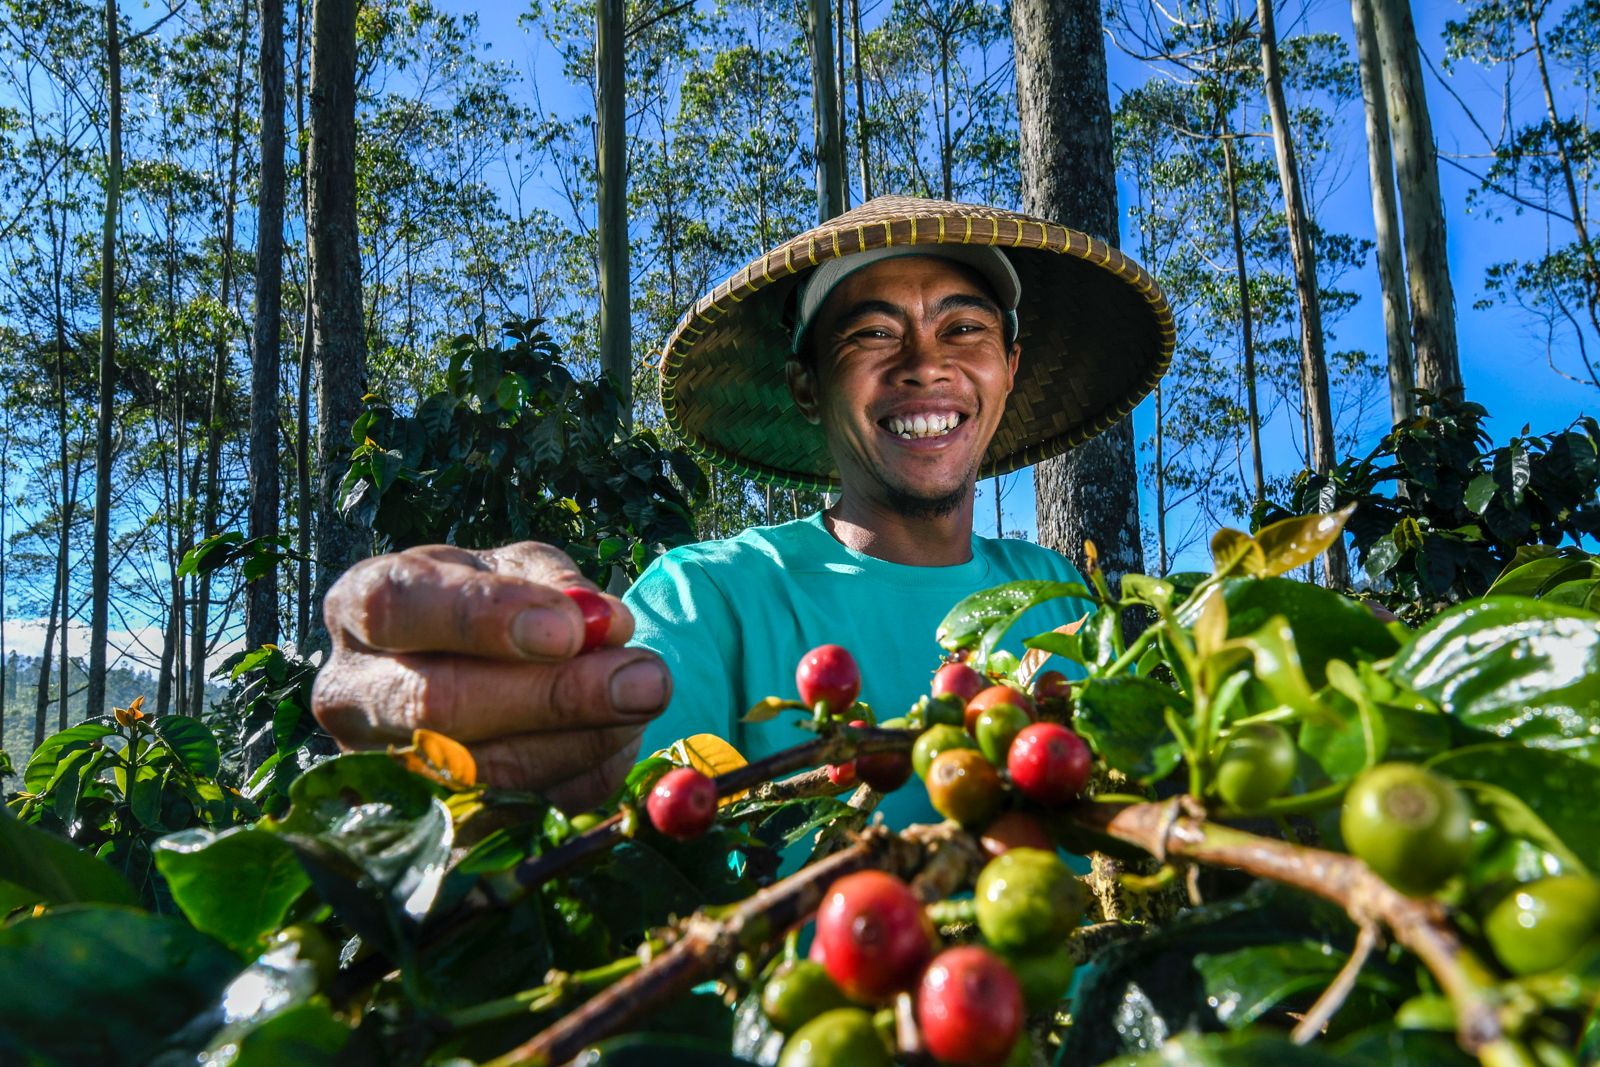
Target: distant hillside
21,687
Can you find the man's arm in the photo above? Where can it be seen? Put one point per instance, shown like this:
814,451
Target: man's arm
483,646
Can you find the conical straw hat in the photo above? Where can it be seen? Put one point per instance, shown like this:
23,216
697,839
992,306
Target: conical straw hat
1096,334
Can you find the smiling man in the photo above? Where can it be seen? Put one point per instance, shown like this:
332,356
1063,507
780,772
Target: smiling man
891,356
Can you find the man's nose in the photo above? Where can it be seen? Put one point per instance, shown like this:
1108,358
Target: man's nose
923,359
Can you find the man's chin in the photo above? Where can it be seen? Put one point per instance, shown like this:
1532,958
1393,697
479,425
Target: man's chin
913,505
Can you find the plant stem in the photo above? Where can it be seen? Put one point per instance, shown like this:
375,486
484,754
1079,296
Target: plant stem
558,989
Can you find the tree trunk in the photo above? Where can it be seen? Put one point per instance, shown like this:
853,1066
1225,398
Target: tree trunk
616,333
1069,176
1433,306
305,504
841,132
1161,490
1385,220
339,344
261,595
824,111
862,144
100,568
199,642
1313,363
41,695
1246,323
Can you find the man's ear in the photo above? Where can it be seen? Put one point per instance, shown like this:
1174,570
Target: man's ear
1011,365
803,387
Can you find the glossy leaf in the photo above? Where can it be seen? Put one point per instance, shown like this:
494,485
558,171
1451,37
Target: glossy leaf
103,985
1512,668
36,865
45,761
982,619
1291,543
1124,721
1563,791
236,886
191,741
439,759
1236,551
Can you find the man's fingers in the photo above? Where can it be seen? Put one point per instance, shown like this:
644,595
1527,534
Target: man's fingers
415,601
540,762
365,699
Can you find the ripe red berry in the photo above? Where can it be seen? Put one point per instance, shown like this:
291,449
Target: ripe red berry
828,673
1049,763
969,1007
958,679
994,696
683,804
842,774
1053,694
883,771
596,616
872,935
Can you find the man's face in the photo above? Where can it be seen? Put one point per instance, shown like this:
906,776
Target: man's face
910,378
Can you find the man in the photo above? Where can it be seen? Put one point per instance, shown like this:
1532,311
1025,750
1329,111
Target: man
873,356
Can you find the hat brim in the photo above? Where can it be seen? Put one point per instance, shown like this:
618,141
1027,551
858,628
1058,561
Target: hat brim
1096,335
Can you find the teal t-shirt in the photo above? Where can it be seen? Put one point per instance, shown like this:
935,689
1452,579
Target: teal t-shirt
732,618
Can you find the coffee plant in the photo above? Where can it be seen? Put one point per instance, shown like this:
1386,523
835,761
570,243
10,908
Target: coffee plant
1310,837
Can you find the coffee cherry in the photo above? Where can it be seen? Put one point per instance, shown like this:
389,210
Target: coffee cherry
1044,976
996,728
993,696
843,1037
596,616
959,680
1052,694
1027,899
969,1007
873,935
683,804
885,771
1255,765
948,709
842,775
798,992
1542,925
828,673
1015,829
1049,764
964,786
1412,827
934,740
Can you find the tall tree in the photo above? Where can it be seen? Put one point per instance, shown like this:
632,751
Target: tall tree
1385,216
99,597
1068,175
1313,360
338,338
1433,305
616,341
261,596
825,110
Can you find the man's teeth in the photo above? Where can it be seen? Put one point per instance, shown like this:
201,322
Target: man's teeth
923,425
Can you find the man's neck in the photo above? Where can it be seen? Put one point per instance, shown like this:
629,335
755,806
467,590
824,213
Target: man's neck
874,530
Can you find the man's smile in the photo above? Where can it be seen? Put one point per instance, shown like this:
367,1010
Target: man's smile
923,425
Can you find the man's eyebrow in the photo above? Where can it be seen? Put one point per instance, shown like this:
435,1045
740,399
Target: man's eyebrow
967,300
950,303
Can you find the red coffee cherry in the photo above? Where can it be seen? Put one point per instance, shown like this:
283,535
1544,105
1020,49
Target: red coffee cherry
958,679
842,774
969,1007
883,771
994,696
872,936
1049,764
828,673
683,804
1053,694
1015,829
596,616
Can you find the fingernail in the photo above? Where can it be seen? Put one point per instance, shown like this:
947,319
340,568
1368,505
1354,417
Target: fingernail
544,632
639,688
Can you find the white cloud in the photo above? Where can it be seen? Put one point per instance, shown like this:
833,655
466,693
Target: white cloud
138,650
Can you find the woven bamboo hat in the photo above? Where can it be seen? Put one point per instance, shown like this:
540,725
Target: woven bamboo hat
1095,330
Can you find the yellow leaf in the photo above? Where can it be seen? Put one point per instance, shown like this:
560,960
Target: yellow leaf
1211,628
708,754
435,756
129,715
768,707
1233,550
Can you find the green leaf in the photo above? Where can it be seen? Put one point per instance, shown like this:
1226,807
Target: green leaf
44,764
307,1035
103,985
1479,492
1069,646
1511,668
1258,978
1513,815
982,619
236,886
191,742
1325,625
661,1050
1563,792
324,795
1124,721
1291,543
38,866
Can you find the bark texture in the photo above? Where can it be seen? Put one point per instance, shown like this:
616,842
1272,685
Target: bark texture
825,111
261,595
100,573
339,347
1385,216
1433,304
1313,360
616,334
1069,176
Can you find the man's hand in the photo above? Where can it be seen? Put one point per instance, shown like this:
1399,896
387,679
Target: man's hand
483,647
